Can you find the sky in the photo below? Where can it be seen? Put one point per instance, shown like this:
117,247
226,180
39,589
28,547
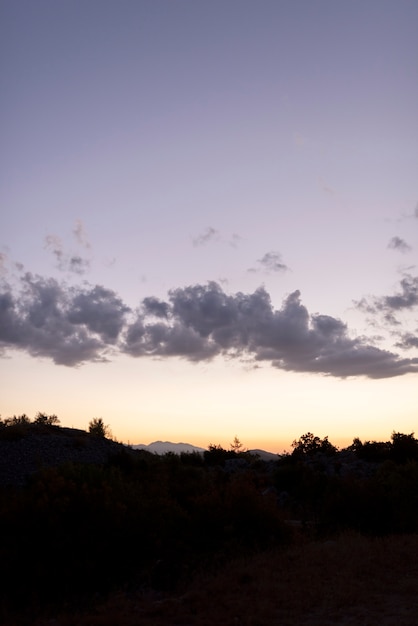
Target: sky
209,217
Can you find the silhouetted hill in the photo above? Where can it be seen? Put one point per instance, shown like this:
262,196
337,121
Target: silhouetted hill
264,455
27,449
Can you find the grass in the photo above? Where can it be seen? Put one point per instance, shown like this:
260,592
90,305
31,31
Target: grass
350,581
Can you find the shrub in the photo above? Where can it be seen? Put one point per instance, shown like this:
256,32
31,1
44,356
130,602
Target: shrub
98,428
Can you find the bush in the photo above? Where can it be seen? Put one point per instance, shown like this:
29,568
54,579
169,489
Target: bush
98,428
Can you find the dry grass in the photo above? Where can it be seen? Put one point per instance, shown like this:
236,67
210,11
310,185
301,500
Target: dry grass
351,581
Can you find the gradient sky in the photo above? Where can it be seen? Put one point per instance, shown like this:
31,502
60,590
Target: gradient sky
209,217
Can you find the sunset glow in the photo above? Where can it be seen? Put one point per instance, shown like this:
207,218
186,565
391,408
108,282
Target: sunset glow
209,220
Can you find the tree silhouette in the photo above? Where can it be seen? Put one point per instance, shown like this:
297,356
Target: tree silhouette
404,447
98,428
308,444
236,446
46,420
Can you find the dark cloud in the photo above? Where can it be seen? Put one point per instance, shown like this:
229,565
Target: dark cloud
407,341
73,325
405,299
390,308
99,310
68,325
208,235
203,321
271,262
396,243
155,306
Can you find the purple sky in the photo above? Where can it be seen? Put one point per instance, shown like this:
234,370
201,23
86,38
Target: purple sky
209,218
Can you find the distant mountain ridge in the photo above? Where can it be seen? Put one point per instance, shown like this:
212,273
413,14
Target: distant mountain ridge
162,447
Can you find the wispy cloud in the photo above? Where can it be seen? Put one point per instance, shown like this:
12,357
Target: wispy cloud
396,243
271,262
81,235
3,261
389,308
72,325
209,234
66,262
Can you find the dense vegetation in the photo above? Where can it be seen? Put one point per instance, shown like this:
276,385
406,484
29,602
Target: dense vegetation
145,521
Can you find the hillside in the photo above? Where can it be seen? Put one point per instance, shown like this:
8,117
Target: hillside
85,516
26,449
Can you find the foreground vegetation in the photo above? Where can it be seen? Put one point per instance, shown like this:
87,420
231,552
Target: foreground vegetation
349,581
160,528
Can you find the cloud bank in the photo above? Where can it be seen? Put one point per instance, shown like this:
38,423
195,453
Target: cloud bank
74,325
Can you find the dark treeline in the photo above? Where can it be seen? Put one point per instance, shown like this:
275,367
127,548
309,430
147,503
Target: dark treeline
139,520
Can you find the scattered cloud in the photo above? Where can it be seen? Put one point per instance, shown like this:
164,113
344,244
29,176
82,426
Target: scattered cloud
78,265
81,235
73,325
3,262
405,299
396,243
389,310
271,262
54,244
66,262
210,234
408,340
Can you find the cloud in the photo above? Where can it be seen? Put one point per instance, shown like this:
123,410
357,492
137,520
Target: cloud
391,307
81,235
407,341
68,325
210,234
396,243
271,262
65,262
407,298
99,310
54,244
74,325
3,263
